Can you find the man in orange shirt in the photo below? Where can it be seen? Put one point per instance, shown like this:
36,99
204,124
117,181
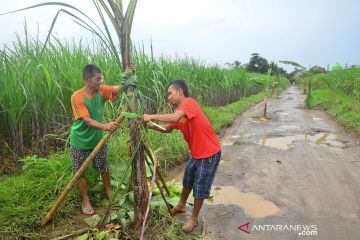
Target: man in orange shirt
203,143
88,128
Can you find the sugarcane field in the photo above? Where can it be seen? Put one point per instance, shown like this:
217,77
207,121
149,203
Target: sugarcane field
174,119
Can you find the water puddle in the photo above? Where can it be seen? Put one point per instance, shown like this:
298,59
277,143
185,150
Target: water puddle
288,127
317,119
178,177
321,138
176,174
230,140
254,205
282,143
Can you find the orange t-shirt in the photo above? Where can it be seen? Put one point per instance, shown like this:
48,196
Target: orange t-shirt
197,130
83,136
80,103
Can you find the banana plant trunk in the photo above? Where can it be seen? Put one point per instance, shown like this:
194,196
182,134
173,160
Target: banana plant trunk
138,170
122,24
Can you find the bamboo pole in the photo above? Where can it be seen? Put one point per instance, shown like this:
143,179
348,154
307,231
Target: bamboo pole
76,233
114,195
168,205
78,174
154,180
150,193
155,126
152,158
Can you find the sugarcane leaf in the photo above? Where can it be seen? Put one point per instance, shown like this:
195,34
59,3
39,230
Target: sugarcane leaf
55,4
129,15
119,5
113,48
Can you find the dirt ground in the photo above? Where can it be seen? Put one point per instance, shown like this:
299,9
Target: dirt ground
296,176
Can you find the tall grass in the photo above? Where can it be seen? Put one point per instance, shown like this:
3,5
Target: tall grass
338,93
346,81
35,89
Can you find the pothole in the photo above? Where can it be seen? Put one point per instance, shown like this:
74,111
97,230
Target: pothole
254,205
288,127
228,140
321,138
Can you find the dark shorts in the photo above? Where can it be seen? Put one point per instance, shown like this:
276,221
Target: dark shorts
100,163
199,175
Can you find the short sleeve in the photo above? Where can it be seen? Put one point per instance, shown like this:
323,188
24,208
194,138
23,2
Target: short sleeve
107,92
189,107
78,106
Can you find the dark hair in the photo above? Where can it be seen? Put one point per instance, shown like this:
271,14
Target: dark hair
90,70
181,84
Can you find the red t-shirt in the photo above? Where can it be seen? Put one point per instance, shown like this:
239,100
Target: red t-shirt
197,130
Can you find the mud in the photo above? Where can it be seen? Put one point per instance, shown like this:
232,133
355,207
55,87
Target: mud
253,204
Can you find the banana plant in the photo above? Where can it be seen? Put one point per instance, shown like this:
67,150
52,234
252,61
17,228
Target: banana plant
307,80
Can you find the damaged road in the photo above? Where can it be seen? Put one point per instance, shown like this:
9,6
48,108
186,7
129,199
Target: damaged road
296,176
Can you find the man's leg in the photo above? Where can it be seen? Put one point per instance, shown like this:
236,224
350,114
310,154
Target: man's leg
106,181
78,157
101,165
86,205
188,181
192,221
204,177
180,207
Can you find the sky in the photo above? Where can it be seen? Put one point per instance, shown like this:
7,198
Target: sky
316,32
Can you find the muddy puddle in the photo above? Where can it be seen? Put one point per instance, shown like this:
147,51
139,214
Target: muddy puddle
230,140
254,205
322,138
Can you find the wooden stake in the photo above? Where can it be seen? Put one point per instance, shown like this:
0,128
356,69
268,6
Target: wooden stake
76,233
265,106
152,158
156,126
168,205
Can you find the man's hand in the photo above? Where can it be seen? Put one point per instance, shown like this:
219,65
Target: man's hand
111,126
133,67
146,117
129,77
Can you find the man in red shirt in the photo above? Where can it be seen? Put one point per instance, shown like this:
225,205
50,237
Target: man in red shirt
203,143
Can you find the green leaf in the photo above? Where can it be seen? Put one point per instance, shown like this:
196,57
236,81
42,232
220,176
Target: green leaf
130,115
293,64
83,237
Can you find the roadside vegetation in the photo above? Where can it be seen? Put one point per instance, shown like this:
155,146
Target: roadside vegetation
338,93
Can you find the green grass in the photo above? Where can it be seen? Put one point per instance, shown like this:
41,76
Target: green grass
223,116
346,81
345,109
24,198
338,93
